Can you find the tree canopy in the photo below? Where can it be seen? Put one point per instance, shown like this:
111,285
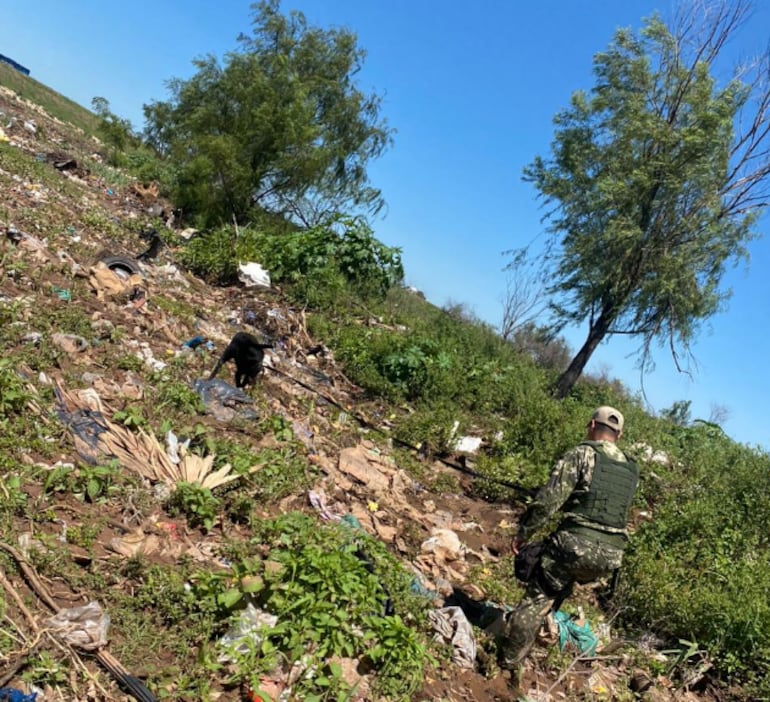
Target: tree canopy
655,181
279,125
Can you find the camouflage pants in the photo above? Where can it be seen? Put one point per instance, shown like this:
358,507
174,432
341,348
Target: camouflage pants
567,559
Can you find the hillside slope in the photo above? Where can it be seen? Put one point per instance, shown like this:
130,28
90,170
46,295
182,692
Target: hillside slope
98,364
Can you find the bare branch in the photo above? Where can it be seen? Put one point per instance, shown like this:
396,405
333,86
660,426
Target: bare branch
524,299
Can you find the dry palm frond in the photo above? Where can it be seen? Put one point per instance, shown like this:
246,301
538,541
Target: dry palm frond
140,451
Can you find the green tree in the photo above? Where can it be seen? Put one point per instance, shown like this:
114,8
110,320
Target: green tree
279,125
655,182
116,132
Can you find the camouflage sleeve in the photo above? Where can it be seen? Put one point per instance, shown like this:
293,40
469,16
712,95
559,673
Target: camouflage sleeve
563,480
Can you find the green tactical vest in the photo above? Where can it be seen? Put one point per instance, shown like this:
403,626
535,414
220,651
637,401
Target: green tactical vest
610,493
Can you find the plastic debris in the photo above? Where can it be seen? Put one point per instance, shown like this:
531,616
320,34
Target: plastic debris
195,342
86,424
224,401
33,338
252,274
71,343
467,444
576,632
11,694
418,588
84,627
444,544
452,626
244,635
173,446
106,280
317,499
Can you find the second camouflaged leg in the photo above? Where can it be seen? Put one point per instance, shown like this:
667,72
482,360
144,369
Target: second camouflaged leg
521,627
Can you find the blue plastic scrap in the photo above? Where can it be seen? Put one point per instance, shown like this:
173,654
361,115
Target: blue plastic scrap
88,425
570,632
195,342
11,694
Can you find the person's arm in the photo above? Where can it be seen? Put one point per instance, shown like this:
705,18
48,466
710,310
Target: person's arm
552,496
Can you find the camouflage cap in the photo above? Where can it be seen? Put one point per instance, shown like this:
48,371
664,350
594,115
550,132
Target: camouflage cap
610,417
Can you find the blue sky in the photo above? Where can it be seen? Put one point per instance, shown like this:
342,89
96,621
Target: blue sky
471,89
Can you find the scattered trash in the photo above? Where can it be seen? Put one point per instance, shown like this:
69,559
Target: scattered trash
417,587
112,281
143,191
61,161
224,401
197,342
252,274
452,626
85,422
173,447
145,353
244,635
62,293
122,265
3,137
135,543
648,454
11,694
188,233
366,468
33,338
71,343
84,627
576,632
445,545
317,499
468,444
97,437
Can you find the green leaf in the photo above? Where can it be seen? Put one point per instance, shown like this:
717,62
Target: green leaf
229,598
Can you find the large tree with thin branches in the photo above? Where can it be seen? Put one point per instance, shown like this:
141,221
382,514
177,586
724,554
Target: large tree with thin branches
654,184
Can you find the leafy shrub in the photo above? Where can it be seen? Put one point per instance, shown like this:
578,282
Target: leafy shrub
328,586
212,256
317,263
196,503
14,396
701,569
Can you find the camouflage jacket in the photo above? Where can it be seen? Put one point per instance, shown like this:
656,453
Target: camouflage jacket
573,472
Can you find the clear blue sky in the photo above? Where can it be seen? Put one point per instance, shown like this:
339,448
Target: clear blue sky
471,89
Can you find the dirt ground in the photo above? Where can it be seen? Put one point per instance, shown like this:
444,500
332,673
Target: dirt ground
63,238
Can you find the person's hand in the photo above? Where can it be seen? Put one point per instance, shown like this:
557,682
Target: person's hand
517,543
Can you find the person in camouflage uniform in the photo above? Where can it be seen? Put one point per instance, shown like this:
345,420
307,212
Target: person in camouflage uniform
593,485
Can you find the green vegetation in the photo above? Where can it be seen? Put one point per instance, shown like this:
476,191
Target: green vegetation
326,266
279,126
698,571
52,102
317,581
646,214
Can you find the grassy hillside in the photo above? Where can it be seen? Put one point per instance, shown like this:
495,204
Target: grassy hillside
344,467
53,103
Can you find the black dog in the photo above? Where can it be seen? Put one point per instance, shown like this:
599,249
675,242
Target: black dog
248,354
155,242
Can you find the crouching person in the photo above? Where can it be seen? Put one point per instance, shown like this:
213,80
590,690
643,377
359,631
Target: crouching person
593,485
